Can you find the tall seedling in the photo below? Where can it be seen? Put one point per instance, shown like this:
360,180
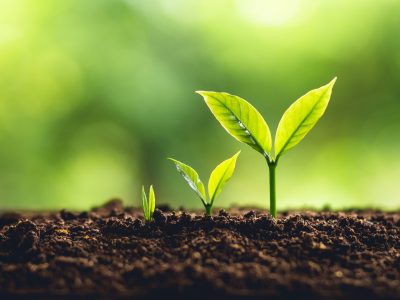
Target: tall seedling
242,121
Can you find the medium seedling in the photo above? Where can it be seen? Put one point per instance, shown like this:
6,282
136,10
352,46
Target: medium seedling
148,204
219,176
241,120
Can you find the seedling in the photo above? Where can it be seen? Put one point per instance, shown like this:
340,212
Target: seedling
149,204
241,120
219,176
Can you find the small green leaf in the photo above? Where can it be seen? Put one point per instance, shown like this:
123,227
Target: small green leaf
145,205
221,174
240,119
301,117
192,178
152,201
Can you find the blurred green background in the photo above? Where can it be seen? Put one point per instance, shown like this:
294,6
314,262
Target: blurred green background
95,94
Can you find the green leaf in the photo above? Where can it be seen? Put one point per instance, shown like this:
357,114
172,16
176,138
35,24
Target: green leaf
152,201
145,205
301,117
221,174
192,178
240,119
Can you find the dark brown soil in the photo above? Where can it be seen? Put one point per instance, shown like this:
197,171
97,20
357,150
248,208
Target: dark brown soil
110,253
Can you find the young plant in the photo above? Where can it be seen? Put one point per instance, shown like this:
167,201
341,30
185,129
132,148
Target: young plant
221,174
242,121
148,204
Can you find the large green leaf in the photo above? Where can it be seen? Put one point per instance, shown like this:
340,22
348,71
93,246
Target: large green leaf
301,117
221,174
240,119
192,178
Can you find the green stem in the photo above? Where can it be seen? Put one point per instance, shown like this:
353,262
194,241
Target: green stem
208,210
272,188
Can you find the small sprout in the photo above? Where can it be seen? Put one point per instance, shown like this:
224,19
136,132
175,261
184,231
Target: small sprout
242,121
148,204
219,176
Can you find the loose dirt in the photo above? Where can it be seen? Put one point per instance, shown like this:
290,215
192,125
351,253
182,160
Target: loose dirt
110,252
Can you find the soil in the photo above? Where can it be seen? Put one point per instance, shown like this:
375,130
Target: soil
110,252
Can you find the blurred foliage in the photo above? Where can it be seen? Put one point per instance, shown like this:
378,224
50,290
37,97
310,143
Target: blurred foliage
95,94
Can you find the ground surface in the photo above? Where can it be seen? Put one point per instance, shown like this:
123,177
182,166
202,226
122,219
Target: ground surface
109,252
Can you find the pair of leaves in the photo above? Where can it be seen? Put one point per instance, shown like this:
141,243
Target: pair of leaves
148,204
241,120
219,176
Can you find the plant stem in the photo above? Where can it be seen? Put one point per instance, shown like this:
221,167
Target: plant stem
272,188
208,210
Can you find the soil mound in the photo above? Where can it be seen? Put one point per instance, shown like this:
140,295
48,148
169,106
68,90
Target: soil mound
110,253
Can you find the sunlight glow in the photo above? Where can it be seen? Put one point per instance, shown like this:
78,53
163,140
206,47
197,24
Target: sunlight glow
268,12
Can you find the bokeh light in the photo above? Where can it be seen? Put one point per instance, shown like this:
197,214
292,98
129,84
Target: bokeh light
94,95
